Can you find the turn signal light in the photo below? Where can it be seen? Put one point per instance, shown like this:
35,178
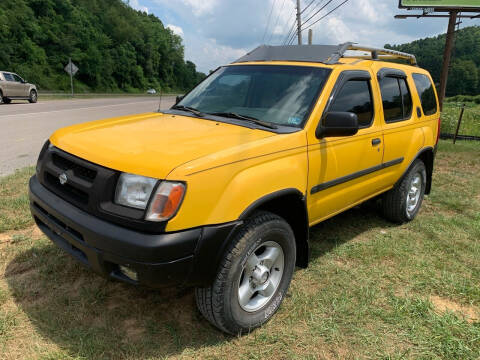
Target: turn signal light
166,201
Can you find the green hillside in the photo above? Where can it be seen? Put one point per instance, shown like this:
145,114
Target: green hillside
116,48
464,76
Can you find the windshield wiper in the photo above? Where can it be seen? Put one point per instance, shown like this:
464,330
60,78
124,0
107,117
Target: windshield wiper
245,117
189,109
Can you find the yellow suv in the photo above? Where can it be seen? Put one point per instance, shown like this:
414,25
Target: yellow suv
219,192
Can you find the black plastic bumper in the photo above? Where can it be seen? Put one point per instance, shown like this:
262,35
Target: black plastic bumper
188,257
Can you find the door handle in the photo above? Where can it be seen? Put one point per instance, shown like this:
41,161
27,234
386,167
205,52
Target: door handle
376,141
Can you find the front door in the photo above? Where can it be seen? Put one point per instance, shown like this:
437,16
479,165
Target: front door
345,170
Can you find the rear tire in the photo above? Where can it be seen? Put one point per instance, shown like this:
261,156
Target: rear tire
33,97
253,276
402,203
7,100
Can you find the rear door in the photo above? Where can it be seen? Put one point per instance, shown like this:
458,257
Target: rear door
344,170
9,85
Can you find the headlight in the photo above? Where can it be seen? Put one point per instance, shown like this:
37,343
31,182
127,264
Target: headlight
166,201
134,190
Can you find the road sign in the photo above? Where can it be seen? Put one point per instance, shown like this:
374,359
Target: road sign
450,4
71,68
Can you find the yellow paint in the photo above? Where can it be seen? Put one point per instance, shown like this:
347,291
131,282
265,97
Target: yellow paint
228,167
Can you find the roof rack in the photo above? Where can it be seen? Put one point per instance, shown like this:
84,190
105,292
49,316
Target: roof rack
383,54
326,54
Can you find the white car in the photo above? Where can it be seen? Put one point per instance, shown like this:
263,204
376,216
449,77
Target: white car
151,91
13,87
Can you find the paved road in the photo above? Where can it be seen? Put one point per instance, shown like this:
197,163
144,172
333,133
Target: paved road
25,127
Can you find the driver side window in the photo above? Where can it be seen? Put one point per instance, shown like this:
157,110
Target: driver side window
356,97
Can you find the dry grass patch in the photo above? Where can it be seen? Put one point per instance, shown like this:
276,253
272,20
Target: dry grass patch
442,305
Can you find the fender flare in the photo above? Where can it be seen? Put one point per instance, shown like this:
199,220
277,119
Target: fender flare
428,166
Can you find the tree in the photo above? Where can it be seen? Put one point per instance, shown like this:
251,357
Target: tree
115,46
464,69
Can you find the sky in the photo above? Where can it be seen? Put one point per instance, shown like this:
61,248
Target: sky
217,32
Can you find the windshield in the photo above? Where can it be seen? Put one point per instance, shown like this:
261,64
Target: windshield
277,94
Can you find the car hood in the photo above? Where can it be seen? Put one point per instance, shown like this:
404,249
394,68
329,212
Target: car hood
152,144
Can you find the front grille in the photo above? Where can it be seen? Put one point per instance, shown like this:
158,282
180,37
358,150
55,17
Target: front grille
67,190
86,184
79,170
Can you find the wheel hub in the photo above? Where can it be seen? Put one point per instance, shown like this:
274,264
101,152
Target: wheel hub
414,192
260,275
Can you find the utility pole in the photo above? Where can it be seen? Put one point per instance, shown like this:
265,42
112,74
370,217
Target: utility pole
310,36
447,55
299,23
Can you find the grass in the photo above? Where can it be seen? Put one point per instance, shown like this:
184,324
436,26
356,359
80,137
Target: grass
471,118
373,289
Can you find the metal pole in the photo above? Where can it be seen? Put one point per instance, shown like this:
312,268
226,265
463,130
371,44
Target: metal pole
71,73
458,124
310,36
299,23
447,55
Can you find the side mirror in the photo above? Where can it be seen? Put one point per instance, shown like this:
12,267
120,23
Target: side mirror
337,124
178,99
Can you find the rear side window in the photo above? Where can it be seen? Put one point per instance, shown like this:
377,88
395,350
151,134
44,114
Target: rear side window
396,99
355,96
8,77
426,93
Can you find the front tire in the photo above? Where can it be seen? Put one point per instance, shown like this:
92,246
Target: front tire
402,203
1,98
33,97
253,276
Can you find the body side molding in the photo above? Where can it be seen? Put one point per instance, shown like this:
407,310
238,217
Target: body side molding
353,176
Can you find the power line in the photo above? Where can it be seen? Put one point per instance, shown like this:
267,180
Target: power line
292,27
323,7
290,41
314,8
276,22
324,16
306,7
268,21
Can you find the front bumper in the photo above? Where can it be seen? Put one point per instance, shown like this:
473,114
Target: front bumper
157,260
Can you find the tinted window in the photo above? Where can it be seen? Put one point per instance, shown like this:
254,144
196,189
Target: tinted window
407,99
8,77
426,93
355,96
391,99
